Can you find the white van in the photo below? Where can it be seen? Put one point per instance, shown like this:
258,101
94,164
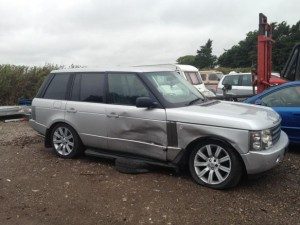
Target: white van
190,73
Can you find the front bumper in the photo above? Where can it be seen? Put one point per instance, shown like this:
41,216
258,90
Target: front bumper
260,161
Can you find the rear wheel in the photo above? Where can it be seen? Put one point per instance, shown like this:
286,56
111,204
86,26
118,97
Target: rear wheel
65,141
215,164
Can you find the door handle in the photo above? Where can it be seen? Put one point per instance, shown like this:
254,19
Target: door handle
113,115
71,110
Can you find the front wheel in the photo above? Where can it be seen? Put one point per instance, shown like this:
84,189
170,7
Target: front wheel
215,164
65,141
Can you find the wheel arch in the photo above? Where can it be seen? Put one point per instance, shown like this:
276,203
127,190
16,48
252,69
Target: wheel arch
48,132
183,158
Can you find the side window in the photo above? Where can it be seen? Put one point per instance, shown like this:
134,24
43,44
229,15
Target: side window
193,78
247,80
57,88
88,88
232,80
287,97
203,76
213,77
124,89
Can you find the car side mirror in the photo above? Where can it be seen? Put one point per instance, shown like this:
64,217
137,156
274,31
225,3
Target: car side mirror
227,87
258,102
145,102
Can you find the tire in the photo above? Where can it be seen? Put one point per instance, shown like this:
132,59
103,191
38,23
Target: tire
130,166
65,141
215,164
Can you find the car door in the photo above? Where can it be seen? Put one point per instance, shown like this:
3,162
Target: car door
51,105
86,109
138,131
286,102
246,87
232,80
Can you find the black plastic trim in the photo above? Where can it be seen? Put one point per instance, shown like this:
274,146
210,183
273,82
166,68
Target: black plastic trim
172,134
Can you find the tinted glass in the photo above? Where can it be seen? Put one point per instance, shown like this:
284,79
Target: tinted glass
247,80
203,76
124,89
92,87
232,80
287,97
57,88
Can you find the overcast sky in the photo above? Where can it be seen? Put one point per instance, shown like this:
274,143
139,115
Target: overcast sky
127,32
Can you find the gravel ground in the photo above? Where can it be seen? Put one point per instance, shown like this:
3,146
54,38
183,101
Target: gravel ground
36,187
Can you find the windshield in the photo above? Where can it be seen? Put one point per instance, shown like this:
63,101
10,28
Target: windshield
174,89
193,77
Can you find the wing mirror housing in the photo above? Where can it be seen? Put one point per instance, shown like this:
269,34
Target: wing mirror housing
227,87
258,102
145,102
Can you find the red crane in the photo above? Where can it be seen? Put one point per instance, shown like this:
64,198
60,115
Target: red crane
264,54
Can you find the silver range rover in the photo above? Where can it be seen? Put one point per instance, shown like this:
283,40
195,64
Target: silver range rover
155,115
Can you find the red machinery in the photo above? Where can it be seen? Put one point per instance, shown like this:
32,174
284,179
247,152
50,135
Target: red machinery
264,54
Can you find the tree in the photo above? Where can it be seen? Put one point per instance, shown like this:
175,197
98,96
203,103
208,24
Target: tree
244,54
204,57
241,55
187,60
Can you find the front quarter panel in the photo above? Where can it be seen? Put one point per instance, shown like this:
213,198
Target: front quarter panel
187,133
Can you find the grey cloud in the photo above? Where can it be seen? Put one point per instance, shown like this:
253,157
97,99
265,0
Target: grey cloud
126,32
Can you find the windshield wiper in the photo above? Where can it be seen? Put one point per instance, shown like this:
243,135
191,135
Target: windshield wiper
195,100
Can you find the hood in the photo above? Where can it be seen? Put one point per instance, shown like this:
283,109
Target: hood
226,114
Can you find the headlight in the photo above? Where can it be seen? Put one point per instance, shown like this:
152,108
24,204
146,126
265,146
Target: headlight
260,140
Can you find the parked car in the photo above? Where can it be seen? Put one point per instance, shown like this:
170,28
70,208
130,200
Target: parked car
211,79
285,100
156,116
241,84
191,74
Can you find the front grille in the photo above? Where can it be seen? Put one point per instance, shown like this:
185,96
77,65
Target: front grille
275,131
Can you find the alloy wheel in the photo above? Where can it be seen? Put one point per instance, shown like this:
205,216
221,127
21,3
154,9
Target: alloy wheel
63,141
212,164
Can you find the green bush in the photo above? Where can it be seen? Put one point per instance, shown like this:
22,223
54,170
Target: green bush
21,81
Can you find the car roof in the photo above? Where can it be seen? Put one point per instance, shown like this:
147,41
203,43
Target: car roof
234,74
114,69
287,84
173,66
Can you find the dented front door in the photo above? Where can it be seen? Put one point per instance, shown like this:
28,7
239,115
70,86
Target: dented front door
139,131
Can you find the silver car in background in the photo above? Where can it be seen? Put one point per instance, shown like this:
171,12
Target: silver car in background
155,115
241,84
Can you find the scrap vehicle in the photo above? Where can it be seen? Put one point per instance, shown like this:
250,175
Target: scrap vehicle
211,78
152,115
291,70
285,100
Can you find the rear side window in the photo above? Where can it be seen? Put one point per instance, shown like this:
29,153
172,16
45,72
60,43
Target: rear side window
247,80
193,77
232,80
57,88
88,88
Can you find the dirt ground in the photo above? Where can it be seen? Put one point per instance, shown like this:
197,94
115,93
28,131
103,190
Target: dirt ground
36,187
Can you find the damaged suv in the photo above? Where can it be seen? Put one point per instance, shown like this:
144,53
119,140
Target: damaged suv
156,116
